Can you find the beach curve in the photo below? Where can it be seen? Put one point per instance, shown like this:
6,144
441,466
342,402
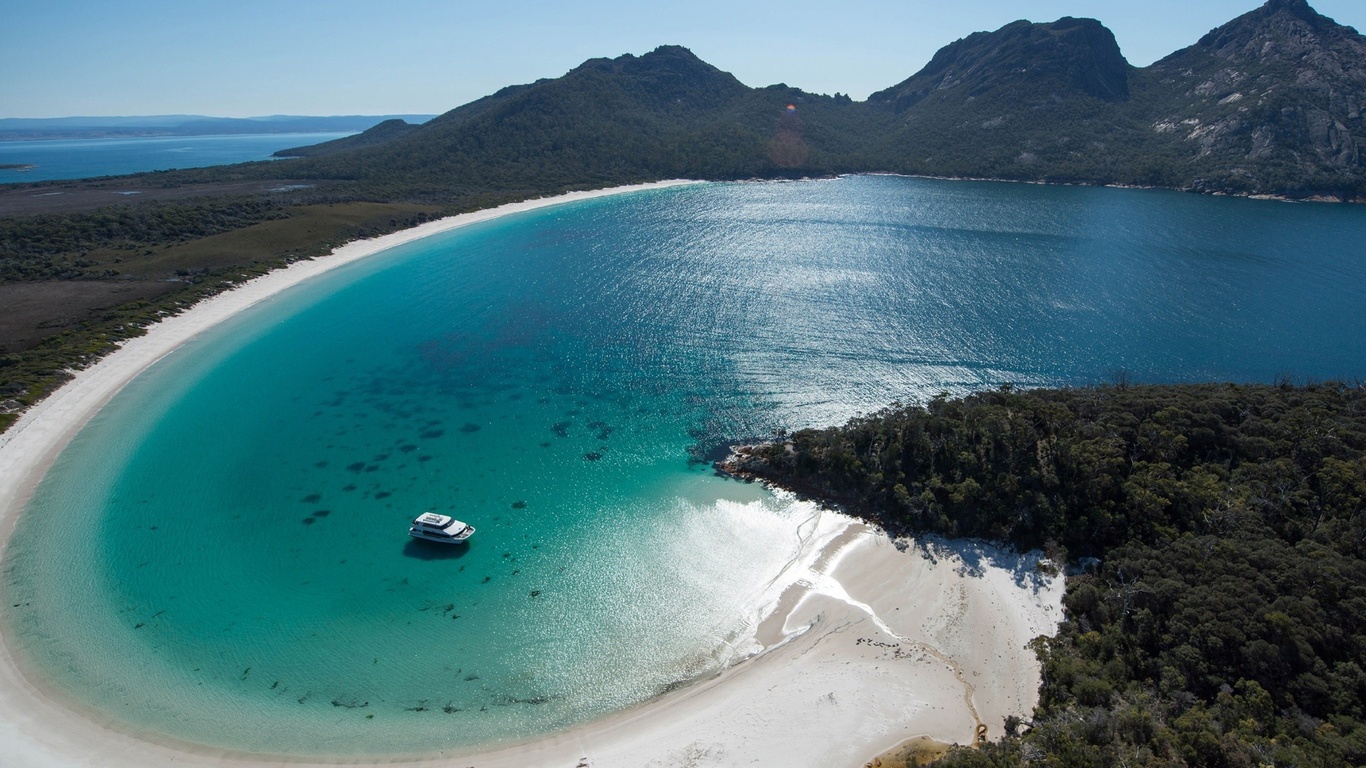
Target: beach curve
854,652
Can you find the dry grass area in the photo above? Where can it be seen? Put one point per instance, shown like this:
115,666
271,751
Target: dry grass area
34,311
72,196
309,231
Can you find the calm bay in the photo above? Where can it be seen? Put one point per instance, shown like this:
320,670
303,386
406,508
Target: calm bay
221,555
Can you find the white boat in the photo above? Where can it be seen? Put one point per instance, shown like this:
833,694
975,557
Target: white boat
429,526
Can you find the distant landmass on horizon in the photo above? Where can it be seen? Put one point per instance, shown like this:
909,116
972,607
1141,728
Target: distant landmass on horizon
26,128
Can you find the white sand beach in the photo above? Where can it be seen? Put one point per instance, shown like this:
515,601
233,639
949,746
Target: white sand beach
872,642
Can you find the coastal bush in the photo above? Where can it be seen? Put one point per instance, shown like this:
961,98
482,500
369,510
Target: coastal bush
51,246
1225,624
1090,469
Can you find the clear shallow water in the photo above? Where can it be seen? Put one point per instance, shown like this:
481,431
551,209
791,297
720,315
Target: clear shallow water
221,555
84,158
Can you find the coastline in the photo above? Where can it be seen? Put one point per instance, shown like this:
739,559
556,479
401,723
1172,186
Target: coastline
44,429
874,642
1271,196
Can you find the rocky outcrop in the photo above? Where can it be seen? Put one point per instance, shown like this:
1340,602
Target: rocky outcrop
1068,55
1274,98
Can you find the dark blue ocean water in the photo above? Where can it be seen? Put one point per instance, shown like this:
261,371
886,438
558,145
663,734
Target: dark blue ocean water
83,158
221,555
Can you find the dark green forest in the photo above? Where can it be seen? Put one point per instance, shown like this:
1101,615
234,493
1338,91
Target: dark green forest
1218,616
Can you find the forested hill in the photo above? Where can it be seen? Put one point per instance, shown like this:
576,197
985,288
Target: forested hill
1225,621
664,114
661,115
1270,103
373,136
1026,101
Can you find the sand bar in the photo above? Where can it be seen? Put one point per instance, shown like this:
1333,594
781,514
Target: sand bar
867,642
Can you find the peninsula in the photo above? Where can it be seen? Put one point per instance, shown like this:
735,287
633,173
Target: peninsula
1220,601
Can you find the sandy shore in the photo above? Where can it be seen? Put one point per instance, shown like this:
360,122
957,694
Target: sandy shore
871,644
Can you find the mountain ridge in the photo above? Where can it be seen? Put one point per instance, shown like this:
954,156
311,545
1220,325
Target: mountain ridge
1092,62
1270,103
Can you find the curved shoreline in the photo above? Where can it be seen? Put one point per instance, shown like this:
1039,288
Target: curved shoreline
28,447
853,660
1271,196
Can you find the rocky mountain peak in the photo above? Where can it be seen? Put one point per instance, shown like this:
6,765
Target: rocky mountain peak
1296,7
1064,57
1282,30
1280,84
669,73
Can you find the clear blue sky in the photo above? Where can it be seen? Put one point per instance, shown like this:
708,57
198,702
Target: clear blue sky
321,57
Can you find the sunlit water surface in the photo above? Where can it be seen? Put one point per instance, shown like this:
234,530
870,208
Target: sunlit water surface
221,556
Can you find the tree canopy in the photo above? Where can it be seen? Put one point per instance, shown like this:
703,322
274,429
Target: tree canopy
1221,616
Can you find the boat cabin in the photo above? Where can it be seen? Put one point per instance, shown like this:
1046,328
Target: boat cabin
430,526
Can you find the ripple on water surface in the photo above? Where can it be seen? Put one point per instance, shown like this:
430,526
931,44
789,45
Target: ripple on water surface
221,555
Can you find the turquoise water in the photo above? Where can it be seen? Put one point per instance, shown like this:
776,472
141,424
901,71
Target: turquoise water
83,158
221,555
